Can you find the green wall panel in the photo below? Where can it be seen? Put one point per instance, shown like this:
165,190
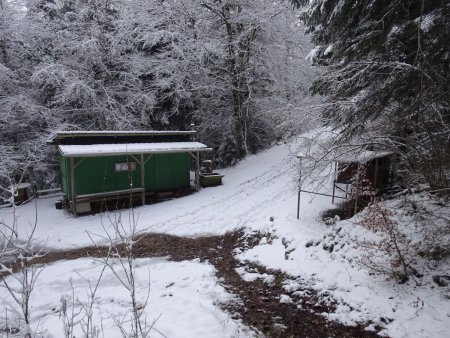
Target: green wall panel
97,174
150,172
171,171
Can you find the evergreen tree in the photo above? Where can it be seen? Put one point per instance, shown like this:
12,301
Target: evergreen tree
387,76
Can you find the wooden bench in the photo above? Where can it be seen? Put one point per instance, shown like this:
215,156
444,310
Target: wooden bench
83,202
108,195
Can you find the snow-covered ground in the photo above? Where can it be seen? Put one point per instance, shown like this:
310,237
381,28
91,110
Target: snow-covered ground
181,303
260,188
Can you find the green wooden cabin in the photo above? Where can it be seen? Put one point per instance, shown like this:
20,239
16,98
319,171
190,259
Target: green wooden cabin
107,165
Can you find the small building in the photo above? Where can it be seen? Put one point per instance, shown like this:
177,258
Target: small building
118,166
364,173
372,166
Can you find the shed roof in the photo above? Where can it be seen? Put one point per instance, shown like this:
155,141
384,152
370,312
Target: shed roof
124,132
362,156
94,150
120,136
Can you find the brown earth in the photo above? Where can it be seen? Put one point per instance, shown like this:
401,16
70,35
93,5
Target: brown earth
259,304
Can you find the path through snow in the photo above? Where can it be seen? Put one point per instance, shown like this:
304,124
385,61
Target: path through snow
259,188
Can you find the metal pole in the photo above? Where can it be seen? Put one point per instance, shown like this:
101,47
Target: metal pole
320,194
300,157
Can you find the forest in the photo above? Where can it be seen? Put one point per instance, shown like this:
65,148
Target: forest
290,95
235,69
242,73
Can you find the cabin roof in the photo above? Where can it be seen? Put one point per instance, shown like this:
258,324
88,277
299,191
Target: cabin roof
112,136
111,149
123,132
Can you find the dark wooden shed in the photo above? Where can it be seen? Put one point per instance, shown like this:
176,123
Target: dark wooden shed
365,172
372,166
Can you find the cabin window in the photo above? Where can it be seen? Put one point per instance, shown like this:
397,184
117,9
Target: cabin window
124,166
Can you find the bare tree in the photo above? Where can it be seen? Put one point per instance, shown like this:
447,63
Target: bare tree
393,244
74,314
19,273
121,261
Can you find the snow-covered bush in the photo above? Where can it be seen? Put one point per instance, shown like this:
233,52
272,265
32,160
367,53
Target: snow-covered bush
392,243
411,236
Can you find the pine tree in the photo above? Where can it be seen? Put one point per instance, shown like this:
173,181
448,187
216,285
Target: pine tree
387,76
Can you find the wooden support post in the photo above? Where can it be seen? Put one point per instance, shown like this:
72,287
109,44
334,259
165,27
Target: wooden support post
143,178
197,171
72,186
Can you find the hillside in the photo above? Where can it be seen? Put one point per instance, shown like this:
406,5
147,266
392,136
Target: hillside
259,196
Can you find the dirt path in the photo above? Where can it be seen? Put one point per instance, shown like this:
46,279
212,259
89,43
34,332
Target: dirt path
259,304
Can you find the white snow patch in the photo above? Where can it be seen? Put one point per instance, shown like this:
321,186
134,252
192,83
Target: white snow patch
328,50
285,299
426,22
252,276
313,54
183,298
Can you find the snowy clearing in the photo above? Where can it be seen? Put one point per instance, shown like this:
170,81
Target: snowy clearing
259,188
182,298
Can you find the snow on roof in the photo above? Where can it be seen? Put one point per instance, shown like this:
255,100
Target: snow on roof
71,134
362,156
92,150
60,135
125,132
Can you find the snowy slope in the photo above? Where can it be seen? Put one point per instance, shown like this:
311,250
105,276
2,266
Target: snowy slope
259,188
